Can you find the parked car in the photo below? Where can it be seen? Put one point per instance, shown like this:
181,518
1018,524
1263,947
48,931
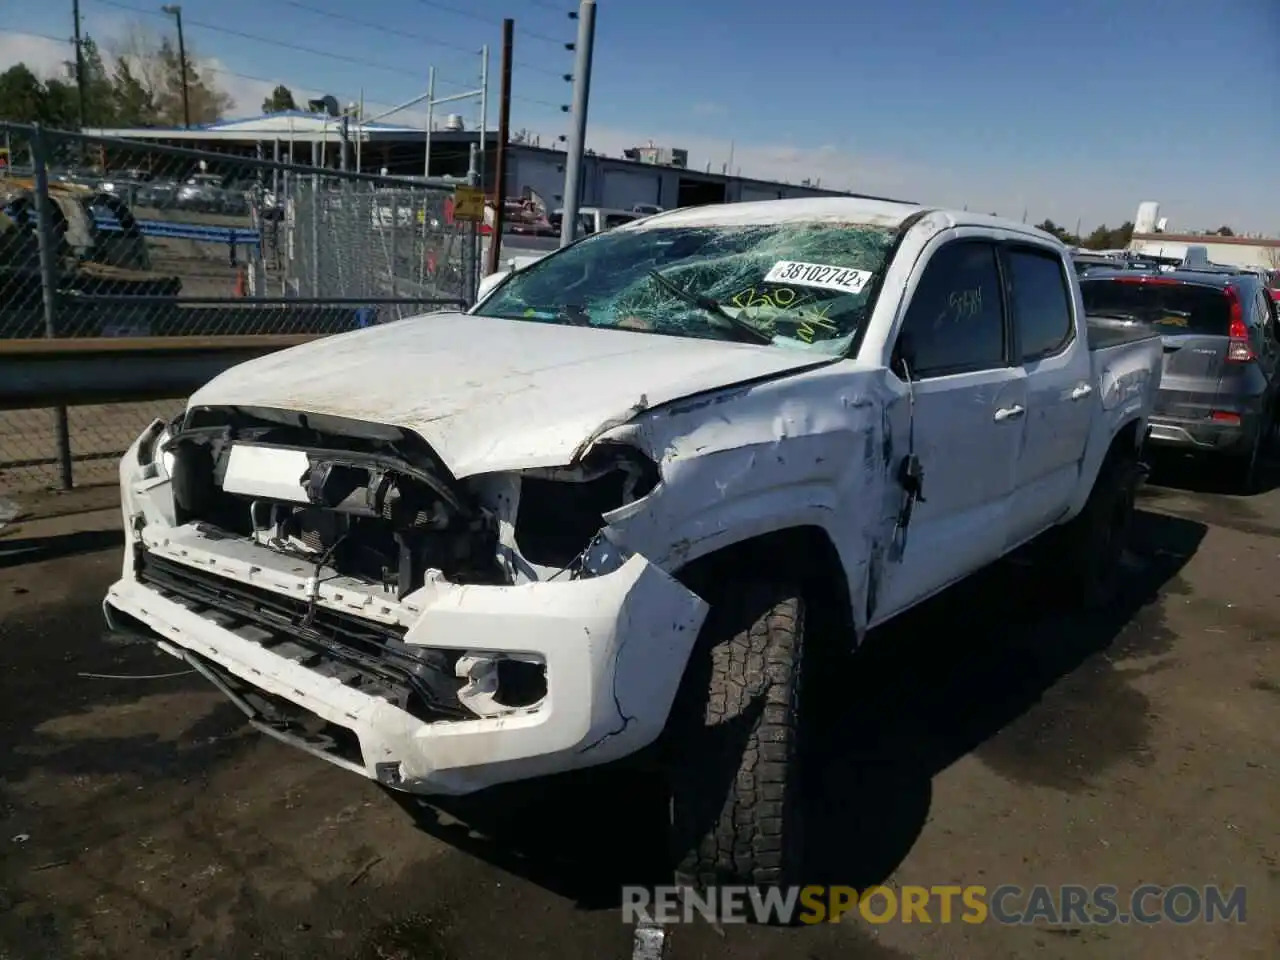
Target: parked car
100,251
1218,393
125,184
594,219
602,510
202,192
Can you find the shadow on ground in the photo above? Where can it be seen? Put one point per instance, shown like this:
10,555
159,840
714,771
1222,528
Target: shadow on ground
16,551
1202,474
981,669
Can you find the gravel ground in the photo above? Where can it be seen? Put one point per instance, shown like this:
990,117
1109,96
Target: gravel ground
979,741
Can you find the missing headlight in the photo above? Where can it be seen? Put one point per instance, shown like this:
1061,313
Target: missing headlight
562,510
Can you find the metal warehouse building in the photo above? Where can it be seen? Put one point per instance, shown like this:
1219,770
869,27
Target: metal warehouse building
313,139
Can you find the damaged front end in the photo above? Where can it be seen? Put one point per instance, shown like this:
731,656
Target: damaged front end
460,632
368,501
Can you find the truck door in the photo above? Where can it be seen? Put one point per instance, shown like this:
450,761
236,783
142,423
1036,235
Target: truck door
969,402
1060,391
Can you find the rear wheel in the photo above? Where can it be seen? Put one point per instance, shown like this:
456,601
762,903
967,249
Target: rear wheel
736,813
1093,544
1248,465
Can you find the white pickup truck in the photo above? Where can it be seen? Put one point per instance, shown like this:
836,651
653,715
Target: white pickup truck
589,516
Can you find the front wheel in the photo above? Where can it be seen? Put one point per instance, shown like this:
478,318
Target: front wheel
736,814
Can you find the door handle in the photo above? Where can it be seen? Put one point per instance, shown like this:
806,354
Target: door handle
1010,413
1081,391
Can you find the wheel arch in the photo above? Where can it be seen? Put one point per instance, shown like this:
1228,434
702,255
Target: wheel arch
805,552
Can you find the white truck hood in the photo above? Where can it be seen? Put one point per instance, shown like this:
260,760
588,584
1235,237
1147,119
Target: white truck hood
489,394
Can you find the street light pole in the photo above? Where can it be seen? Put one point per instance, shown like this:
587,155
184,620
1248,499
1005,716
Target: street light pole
578,135
175,11
80,78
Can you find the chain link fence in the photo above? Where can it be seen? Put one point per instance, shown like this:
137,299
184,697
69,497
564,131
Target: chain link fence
103,237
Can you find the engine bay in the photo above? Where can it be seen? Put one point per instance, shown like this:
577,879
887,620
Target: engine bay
373,502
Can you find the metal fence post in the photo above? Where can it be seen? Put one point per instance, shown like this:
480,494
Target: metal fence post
49,290
472,276
393,257
315,235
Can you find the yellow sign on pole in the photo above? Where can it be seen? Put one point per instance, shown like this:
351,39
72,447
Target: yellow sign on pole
468,204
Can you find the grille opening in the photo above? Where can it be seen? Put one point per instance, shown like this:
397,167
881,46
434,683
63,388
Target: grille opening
291,719
363,654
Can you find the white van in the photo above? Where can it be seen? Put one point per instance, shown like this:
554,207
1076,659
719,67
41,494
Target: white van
597,219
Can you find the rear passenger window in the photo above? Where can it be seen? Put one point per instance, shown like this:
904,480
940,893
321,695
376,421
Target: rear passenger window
955,321
1040,301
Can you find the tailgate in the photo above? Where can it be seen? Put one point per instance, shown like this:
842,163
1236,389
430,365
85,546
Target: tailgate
1194,322
1192,373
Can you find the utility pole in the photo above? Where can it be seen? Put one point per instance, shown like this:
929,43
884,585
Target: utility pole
175,11
80,79
578,136
504,133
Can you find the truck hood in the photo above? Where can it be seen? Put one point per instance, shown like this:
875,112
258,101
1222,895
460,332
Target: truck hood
489,394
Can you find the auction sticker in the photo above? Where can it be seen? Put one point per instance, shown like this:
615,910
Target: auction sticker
842,279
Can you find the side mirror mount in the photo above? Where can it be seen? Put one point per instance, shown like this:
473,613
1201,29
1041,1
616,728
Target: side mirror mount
490,283
901,363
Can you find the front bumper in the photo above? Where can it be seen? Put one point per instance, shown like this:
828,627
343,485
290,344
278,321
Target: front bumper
614,649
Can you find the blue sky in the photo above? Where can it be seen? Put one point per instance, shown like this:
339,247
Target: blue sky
1071,109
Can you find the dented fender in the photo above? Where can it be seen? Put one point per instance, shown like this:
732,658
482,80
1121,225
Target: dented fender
813,449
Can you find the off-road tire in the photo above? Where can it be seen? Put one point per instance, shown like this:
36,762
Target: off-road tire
1093,544
736,815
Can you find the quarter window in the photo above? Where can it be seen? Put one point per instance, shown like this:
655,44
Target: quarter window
1040,301
955,322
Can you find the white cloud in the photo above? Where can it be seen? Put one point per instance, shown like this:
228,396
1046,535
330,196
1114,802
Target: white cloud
784,161
45,56
1041,192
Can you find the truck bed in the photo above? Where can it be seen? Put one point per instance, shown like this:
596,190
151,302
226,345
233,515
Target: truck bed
1105,332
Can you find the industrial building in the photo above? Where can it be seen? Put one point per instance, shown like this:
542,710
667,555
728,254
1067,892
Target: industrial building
1152,236
647,175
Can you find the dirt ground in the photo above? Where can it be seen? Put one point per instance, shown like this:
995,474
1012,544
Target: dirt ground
978,740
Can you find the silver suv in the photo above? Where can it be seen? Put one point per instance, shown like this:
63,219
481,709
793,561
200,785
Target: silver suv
1218,393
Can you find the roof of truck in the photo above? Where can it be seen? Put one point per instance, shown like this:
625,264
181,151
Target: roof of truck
853,210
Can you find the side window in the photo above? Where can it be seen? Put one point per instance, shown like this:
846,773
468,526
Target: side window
1263,307
955,321
1040,301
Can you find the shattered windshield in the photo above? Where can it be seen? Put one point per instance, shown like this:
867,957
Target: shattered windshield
804,285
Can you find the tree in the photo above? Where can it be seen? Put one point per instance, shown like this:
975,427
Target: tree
134,106
281,99
24,98
207,102
99,93
1048,226
1224,231
1108,238
155,70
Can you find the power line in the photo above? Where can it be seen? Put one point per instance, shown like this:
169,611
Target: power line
36,36
396,31
223,71
433,5
283,44
311,51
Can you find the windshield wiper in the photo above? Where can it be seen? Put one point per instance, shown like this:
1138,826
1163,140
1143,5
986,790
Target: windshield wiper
711,307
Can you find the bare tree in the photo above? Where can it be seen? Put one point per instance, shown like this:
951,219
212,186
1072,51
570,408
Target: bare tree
153,64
